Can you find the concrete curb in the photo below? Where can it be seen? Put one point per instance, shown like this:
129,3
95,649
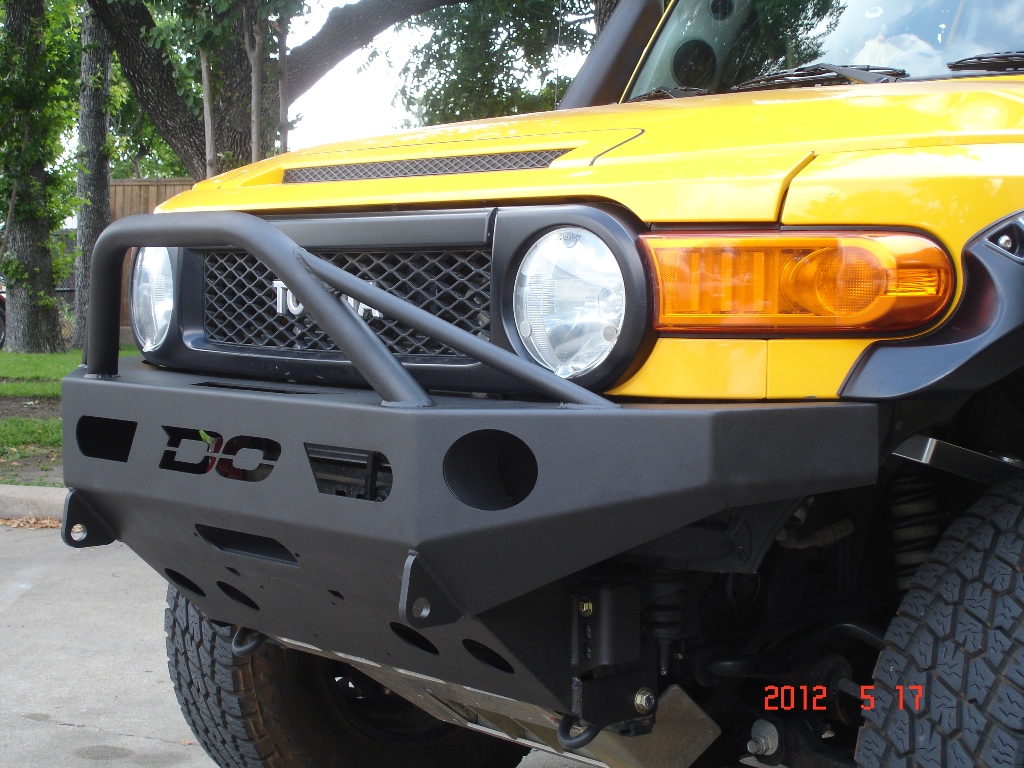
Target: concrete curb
31,501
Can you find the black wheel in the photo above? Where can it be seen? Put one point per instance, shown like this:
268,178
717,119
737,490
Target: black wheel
954,653
3,326
279,708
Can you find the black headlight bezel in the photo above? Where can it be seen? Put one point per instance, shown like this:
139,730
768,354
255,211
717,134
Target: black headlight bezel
517,229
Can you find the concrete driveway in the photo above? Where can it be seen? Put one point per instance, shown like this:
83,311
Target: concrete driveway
83,675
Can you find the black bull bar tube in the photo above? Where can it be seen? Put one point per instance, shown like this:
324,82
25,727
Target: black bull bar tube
491,504
297,267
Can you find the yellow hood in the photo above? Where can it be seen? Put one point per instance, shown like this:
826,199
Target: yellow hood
714,158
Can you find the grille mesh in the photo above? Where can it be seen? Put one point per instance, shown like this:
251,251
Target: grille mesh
240,303
428,166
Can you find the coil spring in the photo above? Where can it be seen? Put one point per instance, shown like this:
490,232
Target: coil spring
917,522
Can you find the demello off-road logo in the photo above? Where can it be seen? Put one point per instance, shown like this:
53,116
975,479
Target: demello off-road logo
198,451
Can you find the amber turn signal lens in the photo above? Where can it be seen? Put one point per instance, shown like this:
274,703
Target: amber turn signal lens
807,282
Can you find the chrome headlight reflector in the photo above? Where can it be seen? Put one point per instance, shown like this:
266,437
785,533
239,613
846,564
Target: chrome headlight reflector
152,296
569,301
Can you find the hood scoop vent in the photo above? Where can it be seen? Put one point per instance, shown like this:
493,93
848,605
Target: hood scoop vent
429,166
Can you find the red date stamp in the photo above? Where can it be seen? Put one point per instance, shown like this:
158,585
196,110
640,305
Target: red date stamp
789,697
805,698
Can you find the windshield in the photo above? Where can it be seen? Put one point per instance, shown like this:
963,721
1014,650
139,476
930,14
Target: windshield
717,44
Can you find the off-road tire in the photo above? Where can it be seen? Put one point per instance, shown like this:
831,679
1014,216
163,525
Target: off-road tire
267,710
959,634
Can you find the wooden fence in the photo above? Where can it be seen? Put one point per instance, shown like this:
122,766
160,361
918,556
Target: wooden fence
131,196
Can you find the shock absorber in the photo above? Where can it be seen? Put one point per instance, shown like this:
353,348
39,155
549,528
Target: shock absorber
665,620
917,521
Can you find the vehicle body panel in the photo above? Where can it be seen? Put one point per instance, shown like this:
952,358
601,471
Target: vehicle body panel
944,157
724,158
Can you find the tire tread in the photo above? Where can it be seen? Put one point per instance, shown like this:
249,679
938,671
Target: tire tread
959,634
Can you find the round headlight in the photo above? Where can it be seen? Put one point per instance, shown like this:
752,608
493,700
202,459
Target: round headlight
569,301
152,296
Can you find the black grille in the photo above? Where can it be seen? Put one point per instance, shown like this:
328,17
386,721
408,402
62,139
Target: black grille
240,304
427,166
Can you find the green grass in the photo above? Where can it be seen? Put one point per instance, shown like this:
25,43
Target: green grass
30,367
29,390
29,448
32,375
34,483
17,433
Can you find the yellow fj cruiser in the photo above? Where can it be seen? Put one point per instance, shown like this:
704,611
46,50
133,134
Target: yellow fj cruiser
673,431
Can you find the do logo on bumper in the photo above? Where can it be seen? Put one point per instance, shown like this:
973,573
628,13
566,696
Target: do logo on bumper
219,454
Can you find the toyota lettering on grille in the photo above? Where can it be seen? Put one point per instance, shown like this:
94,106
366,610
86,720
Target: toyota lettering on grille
287,303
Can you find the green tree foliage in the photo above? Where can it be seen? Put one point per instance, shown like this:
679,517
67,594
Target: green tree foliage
39,99
184,30
161,45
182,27
488,58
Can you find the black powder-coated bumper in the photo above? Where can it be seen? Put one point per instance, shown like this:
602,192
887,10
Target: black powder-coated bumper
437,534
244,521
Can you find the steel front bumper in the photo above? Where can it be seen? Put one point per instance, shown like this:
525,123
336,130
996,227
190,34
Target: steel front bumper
438,536
248,526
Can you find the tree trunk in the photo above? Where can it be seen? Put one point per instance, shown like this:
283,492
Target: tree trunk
347,29
256,83
32,321
211,148
93,185
253,33
282,80
232,99
151,78
602,12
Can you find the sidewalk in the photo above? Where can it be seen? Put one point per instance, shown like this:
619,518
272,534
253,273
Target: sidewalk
31,501
84,675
